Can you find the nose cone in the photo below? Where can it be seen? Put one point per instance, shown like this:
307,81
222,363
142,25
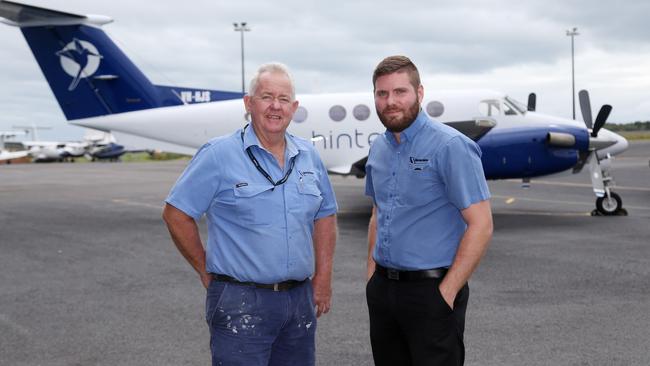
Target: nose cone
620,144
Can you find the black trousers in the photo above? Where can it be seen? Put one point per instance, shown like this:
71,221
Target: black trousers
412,325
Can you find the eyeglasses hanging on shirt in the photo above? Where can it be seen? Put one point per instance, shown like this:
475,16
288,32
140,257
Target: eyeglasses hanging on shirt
292,162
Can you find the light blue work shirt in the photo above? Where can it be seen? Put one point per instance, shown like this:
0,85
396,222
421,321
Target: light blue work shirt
256,232
420,187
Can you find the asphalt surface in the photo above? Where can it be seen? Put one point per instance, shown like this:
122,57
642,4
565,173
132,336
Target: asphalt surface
89,276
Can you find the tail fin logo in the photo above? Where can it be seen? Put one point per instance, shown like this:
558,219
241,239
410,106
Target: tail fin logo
79,59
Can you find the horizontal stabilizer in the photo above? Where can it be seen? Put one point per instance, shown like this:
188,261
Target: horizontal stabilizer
87,72
23,15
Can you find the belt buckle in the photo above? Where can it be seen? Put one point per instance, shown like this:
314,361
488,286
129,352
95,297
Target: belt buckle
392,274
276,287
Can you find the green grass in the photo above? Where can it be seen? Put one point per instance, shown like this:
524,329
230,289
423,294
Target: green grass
635,135
141,157
156,156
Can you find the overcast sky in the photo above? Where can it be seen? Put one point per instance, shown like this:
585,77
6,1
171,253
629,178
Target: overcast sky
514,47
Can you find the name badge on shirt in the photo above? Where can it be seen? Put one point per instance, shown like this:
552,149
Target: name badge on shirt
309,176
418,163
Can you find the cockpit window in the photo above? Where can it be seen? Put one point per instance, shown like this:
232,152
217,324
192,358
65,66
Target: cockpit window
490,107
508,110
519,106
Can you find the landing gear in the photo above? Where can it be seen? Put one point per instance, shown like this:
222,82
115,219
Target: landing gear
609,206
608,203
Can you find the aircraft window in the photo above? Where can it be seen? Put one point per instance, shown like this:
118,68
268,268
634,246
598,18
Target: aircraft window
300,115
508,110
361,112
337,113
522,108
435,109
490,107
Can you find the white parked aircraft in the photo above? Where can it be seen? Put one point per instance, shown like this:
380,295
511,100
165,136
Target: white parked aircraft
98,87
8,156
45,151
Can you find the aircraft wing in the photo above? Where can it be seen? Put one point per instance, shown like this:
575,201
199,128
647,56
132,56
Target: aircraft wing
7,155
24,15
474,129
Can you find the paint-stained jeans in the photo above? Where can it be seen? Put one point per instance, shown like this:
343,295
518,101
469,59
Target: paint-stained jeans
259,327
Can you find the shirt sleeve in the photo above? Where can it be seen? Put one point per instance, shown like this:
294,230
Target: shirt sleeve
462,172
328,206
370,189
196,187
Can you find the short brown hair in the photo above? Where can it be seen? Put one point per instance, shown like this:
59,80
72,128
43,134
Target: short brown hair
392,64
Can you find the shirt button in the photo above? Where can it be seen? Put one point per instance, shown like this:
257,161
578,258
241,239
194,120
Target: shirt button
393,174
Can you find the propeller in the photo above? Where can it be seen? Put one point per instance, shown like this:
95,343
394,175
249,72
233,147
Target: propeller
585,156
601,118
532,102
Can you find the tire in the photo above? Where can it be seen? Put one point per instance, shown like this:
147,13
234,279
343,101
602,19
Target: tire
609,206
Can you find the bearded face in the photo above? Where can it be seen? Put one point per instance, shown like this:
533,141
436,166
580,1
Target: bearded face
396,118
396,100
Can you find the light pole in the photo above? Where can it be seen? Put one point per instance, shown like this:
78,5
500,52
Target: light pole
572,33
241,27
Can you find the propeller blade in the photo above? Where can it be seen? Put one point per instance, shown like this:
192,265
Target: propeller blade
585,107
583,156
601,119
532,102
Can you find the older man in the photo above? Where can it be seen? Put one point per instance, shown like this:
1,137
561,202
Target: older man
270,210
430,226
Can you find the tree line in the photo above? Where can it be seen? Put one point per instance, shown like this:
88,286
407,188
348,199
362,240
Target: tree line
633,126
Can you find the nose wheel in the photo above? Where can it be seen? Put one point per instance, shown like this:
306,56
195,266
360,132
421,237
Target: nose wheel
611,205
608,202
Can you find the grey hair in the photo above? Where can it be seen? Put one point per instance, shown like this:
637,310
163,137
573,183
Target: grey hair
272,67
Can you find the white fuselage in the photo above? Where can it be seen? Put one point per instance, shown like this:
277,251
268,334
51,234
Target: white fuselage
340,143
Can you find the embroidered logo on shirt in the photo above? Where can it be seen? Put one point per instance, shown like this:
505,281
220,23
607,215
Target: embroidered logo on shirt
305,172
242,184
418,163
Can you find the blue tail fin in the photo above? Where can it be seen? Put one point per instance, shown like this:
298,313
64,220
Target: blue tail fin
89,75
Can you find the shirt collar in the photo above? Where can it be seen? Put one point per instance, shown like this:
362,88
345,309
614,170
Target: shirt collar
250,139
409,133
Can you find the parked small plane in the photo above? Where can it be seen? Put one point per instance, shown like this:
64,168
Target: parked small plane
47,151
93,147
8,156
98,87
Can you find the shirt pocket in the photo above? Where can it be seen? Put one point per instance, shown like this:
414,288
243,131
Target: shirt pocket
418,184
255,204
308,201
420,167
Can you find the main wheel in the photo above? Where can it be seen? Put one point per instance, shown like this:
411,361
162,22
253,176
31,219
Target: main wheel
609,205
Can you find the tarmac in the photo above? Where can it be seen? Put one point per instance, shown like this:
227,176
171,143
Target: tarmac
89,275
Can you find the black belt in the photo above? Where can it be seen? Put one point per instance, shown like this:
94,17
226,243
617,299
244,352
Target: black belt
280,286
397,275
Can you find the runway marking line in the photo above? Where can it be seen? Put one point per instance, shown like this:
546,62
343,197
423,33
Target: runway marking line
569,184
542,213
123,201
508,198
